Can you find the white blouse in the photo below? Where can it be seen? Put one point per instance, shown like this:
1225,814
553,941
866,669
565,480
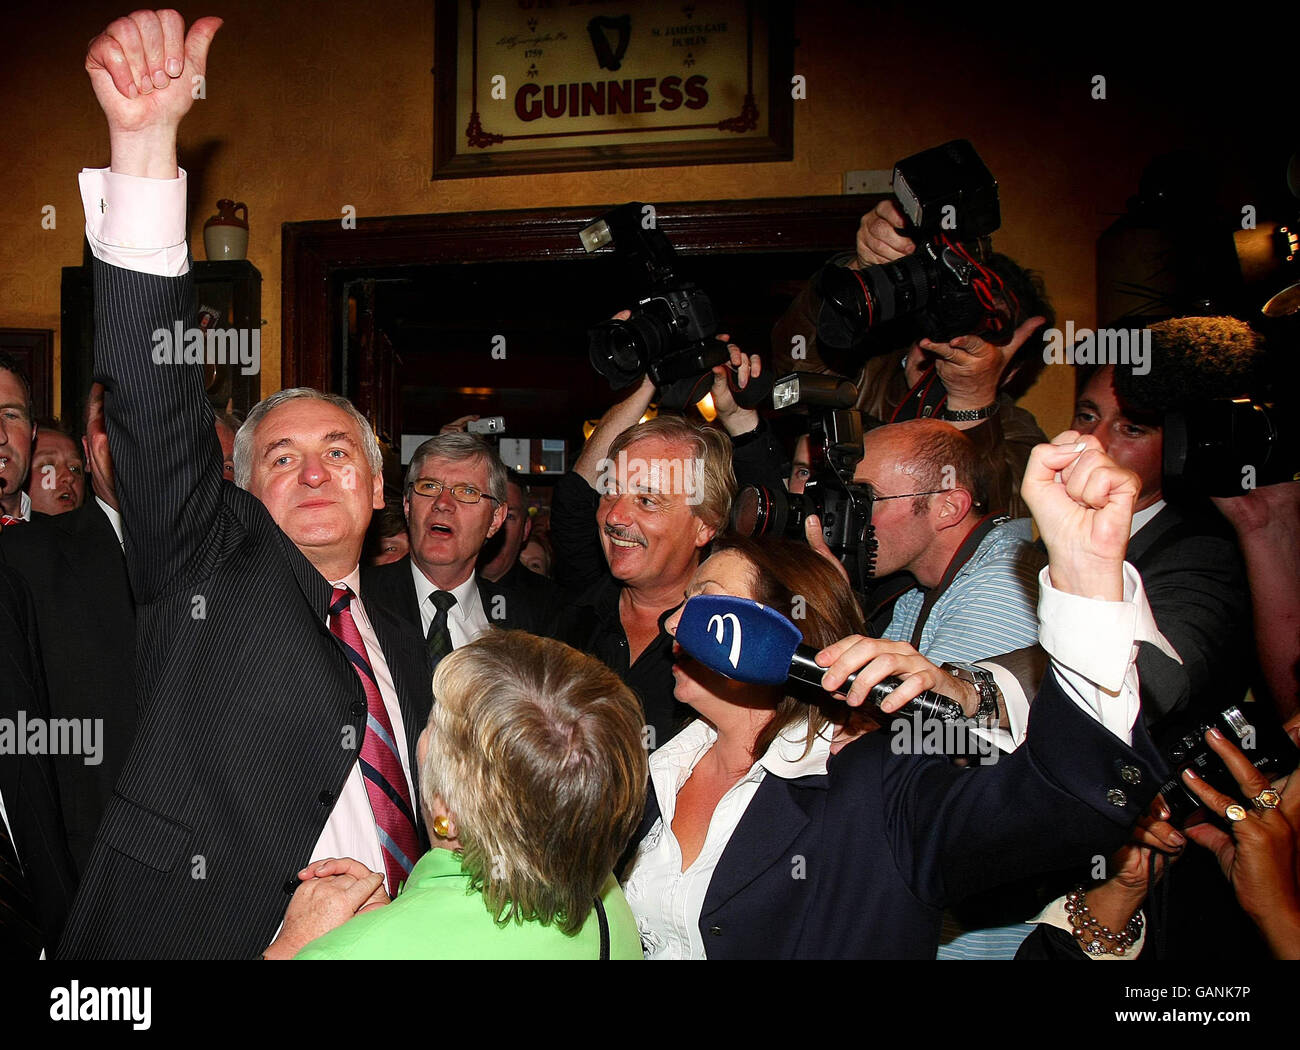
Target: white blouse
666,900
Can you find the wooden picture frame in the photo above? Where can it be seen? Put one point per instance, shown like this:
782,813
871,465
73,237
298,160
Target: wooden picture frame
738,89
33,349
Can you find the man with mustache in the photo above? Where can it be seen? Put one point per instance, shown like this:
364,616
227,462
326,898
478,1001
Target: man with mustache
659,491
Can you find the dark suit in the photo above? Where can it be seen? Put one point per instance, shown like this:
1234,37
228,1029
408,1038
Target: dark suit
858,862
75,568
27,782
247,701
506,604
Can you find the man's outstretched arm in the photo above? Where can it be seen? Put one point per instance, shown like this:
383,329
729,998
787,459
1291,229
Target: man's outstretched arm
142,69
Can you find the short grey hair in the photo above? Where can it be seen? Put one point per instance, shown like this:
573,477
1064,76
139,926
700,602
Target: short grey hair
244,452
457,447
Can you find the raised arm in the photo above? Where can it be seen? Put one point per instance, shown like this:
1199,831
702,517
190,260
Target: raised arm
166,457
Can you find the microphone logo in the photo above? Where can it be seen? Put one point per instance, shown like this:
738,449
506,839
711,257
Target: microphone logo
719,632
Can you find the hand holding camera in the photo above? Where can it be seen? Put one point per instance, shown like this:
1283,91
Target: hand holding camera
1258,854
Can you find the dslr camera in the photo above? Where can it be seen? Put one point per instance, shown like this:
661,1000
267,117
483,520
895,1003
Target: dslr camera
835,447
670,335
1262,741
950,201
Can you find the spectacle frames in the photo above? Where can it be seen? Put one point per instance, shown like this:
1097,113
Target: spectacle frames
460,492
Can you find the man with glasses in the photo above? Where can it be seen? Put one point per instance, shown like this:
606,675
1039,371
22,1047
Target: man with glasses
455,499
964,578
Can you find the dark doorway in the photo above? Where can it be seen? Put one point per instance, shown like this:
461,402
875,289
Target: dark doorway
424,319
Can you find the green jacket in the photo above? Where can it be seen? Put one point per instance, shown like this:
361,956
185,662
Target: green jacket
437,916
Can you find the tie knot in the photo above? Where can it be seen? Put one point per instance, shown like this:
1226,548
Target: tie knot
442,600
340,600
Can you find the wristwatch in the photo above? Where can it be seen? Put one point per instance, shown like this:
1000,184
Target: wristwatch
982,680
969,415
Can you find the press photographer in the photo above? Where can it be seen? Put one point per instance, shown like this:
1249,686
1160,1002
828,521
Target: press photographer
966,354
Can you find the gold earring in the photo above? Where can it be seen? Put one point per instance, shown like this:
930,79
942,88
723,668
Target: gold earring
442,827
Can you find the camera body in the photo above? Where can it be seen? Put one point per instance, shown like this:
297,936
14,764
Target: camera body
842,505
489,425
1226,446
670,335
1262,741
950,200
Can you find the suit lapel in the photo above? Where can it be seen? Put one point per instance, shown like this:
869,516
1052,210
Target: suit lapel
772,822
1146,537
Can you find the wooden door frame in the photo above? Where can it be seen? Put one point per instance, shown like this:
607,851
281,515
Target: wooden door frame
314,254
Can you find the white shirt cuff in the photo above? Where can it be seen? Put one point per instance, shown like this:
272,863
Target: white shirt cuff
1094,645
136,223
1054,915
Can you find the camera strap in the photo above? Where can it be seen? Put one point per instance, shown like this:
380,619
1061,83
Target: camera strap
924,400
960,557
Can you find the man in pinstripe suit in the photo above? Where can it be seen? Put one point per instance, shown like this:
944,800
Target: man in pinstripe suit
263,677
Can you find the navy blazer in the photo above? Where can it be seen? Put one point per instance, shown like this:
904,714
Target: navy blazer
859,862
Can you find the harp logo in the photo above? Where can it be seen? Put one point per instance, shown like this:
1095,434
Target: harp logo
718,625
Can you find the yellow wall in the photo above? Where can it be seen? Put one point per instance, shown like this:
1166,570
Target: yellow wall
319,105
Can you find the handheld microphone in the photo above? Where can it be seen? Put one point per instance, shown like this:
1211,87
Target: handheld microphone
744,640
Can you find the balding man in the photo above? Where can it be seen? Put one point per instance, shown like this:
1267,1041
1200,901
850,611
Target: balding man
965,578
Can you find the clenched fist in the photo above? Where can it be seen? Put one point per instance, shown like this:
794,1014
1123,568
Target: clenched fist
143,69
1083,503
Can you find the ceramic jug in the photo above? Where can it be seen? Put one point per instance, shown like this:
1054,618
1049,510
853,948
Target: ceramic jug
225,235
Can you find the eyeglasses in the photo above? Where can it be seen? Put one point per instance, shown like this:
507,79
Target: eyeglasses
461,492
906,495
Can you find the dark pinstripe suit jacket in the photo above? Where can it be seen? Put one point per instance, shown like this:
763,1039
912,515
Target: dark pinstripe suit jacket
250,715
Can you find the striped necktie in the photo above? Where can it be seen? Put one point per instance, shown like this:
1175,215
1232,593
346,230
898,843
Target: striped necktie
9,519
381,763
438,641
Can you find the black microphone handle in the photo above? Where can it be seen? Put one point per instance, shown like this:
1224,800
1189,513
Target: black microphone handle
805,669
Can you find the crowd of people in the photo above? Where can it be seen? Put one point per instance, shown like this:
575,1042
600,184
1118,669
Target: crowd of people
336,727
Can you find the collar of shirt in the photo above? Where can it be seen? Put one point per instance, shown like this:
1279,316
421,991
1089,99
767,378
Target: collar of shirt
114,518
352,581
671,765
24,506
468,603
1143,517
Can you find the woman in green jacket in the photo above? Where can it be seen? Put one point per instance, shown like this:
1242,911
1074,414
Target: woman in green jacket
532,776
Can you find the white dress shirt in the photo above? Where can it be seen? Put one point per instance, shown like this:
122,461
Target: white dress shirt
466,620
24,506
114,519
1083,646
666,900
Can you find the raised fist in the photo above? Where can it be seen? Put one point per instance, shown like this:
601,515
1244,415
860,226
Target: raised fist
143,68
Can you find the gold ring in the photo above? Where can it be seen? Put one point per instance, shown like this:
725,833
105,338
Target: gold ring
1235,813
1266,799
